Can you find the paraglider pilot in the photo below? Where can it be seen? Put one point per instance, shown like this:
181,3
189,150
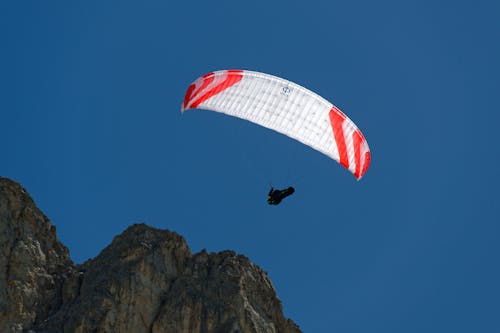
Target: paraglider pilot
274,197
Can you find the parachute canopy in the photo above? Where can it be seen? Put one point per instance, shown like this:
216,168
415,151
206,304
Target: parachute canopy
285,107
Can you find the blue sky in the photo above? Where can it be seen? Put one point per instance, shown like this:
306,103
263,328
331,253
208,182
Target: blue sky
90,96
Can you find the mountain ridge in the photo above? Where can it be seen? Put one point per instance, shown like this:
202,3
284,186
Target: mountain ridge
145,280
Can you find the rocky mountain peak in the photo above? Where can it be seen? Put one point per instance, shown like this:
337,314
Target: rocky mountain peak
146,280
33,262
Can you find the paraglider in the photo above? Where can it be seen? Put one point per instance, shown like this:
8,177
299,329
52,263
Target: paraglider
274,197
285,107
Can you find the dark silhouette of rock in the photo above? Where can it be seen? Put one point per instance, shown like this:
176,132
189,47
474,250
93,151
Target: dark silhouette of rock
146,280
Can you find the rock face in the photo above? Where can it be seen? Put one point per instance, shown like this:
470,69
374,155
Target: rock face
146,280
33,263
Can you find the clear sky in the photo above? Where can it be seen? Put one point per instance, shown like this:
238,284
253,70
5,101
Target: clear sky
90,96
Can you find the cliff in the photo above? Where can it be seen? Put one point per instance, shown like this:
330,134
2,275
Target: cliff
146,280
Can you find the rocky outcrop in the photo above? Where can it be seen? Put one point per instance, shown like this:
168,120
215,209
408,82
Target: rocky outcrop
33,263
146,280
122,289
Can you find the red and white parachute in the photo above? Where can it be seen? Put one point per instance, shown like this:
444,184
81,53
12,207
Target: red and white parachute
285,107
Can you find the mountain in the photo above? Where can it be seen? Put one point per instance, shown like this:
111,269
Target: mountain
146,280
